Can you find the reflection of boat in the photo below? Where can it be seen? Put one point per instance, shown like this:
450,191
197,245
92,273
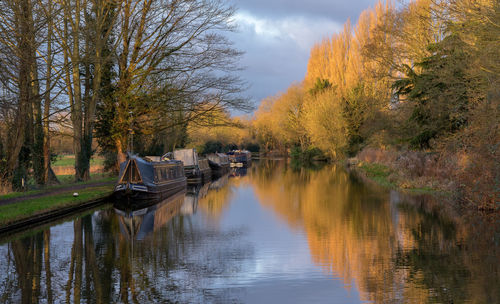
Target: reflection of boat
197,170
220,182
149,180
137,224
240,158
219,163
217,199
238,172
193,195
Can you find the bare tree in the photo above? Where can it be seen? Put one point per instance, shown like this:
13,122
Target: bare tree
26,55
174,52
17,37
82,32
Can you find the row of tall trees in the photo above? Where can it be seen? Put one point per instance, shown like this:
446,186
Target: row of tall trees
338,94
423,76
107,67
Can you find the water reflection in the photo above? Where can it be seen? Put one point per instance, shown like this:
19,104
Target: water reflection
217,199
396,248
137,224
238,172
273,233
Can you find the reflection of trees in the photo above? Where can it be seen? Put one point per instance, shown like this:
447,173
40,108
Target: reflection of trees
30,256
173,262
215,201
102,265
27,255
396,249
394,252
455,260
46,254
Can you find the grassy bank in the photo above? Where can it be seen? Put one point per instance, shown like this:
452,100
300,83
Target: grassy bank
69,160
65,166
31,207
389,178
66,181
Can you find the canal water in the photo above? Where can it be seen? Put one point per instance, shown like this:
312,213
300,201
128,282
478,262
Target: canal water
273,233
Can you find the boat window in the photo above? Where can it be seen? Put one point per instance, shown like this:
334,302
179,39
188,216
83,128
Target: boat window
131,174
125,177
136,177
158,172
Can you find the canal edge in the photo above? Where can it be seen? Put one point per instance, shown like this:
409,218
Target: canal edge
48,216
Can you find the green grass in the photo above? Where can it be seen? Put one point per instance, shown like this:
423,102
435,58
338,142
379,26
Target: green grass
19,194
95,177
30,207
69,161
379,173
425,190
66,181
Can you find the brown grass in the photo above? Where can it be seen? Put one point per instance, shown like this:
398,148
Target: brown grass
411,169
5,187
70,170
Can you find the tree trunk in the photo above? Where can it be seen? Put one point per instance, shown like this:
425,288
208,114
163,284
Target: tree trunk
48,177
18,159
76,115
19,130
38,133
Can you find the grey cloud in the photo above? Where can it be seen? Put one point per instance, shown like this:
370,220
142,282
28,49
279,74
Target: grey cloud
338,10
270,65
276,36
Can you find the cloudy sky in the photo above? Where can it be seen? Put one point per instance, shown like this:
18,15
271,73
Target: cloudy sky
277,35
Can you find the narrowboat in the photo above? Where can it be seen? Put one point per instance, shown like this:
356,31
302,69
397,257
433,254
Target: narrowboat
240,158
145,181
196,169
219,163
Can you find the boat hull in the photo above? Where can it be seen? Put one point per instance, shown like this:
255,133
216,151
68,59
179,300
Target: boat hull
132,196
197,176
219,170
240,159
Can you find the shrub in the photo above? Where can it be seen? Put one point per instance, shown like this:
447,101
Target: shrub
212,146
252,147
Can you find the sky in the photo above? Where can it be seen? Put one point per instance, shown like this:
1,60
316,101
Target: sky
277,35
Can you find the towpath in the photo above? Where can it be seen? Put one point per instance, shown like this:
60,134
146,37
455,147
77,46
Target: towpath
58,190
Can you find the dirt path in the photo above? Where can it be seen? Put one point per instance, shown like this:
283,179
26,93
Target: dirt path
54,192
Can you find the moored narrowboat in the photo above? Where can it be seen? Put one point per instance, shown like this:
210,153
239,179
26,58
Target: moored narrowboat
146,181
240,158
219,163
196,169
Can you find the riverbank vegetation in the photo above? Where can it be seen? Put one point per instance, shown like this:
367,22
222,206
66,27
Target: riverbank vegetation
415,85
95,71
